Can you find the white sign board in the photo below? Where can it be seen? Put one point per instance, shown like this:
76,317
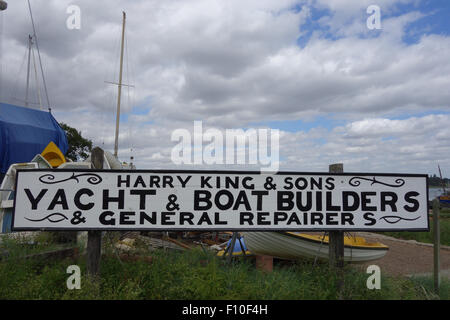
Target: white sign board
218,200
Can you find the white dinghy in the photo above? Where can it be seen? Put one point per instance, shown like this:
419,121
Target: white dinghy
293,245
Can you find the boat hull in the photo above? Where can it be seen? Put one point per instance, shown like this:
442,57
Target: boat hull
285,246
444,201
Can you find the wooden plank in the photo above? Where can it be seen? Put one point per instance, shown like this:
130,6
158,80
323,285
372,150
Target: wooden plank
159,243
436,246
178,243
94,243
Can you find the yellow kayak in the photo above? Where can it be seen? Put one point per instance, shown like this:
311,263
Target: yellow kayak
53,155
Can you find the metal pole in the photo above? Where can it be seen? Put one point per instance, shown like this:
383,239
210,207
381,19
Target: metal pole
116,141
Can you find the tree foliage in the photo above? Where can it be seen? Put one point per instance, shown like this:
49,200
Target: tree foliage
435,181
79,147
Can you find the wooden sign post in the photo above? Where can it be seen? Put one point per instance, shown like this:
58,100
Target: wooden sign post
436,246
336,238
94,244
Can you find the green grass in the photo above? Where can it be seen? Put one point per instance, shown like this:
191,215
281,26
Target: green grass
192,275
444,212
428,285
426,237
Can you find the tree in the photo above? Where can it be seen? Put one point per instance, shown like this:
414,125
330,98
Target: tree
79,147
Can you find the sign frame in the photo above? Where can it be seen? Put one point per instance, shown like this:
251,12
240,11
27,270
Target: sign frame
233,229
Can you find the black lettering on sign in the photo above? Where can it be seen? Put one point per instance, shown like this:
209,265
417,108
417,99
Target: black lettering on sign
391,202
125,181
316,183
294,219
145,217
262,218
330,218
279,216
186,217
369,217
242,199
202,196
34,201
228,198
59,199
165,218
284,200
365,201
329,183
142,194
167,181
154,181
301,183
346,206
288,181
330,206
125,217
120,199
105,218
300,205
319,200
234,184
139,182
204,219
217,220
204,182
259,201
77,200
409,198
185,181
245,183
347,218
246,218
316,218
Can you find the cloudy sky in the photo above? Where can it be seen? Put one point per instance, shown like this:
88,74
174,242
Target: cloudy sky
377,100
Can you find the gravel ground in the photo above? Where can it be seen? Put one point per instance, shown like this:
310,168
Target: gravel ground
406,257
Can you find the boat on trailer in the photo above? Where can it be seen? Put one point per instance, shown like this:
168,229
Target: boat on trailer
295,245
444,200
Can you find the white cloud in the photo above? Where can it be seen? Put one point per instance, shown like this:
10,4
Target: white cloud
234,64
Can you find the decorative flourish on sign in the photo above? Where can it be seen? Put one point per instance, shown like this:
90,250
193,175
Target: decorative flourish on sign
51,218
354,182
395,219
50,178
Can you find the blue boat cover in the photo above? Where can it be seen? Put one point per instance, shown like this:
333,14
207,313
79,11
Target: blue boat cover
237,245
25,132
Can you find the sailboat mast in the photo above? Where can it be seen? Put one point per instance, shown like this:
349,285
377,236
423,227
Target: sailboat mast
116,141
442,180
28,71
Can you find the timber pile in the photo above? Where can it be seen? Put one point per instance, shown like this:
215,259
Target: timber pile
155,243
175,241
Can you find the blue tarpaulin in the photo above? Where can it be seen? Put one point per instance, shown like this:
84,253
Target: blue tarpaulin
237,245
25,132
